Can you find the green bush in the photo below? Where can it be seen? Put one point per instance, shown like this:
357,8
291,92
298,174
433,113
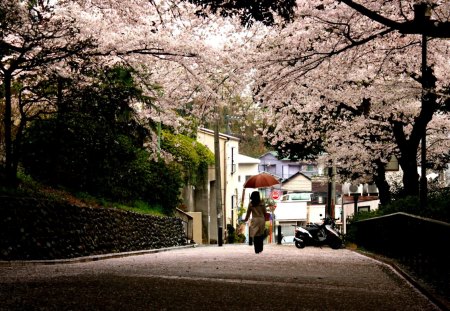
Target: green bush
438,207
240,238
93,144
111,168
231,234
409,204
193,156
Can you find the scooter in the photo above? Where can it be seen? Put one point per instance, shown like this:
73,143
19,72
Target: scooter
318,235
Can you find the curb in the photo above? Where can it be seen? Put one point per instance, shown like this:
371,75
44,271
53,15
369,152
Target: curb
92,257
437,299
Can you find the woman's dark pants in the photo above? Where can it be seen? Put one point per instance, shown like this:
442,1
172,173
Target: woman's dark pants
258,242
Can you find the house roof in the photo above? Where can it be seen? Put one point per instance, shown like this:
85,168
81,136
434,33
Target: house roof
287,159
221,135
294,176
243,159
274,154
362,198
322,187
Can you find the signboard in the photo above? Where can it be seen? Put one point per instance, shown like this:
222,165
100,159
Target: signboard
275,194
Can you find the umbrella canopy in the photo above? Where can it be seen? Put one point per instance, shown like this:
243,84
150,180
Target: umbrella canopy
262,180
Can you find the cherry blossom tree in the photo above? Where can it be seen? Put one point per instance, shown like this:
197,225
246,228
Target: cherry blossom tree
33,38
249,11
345,78
176,55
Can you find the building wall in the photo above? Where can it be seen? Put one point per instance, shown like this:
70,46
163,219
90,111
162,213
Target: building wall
202,205
285,168
297,183
245,171
316,213
197,226
270,164
291,211
229,149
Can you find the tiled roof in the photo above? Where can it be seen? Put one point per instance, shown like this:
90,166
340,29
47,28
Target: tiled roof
362,198
323,187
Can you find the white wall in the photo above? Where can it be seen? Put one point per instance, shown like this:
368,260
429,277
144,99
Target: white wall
316,213
231,148
247,166
228,180
291,210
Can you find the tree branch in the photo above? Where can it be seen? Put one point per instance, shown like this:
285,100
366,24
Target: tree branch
426,27
373,15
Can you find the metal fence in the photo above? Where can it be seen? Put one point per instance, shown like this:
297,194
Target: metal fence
420,244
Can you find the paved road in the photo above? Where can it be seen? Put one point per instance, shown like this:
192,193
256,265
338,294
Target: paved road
231,277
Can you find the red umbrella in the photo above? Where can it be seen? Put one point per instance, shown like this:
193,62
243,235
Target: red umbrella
262,180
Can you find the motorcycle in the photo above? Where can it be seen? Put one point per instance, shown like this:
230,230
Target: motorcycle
318,235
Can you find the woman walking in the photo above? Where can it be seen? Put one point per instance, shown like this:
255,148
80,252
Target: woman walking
256,209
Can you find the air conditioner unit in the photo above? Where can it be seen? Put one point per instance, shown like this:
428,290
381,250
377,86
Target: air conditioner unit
372,189
354,189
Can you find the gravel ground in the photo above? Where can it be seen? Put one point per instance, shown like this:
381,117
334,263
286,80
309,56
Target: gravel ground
231,277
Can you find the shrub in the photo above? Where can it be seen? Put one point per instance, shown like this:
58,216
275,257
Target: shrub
437,207
409,204
193,156
94,142
231,234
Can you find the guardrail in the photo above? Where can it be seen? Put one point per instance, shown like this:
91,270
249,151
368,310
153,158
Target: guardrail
420,244
188,225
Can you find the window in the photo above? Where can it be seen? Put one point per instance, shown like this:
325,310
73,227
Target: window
285,171
297,197
365,208
233,165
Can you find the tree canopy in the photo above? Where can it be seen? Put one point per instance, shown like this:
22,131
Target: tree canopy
338,78
344,78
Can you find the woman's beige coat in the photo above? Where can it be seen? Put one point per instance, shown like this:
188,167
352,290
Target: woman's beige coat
258,221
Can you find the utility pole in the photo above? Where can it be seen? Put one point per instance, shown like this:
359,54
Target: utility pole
331,198
218,183
423,165
422,15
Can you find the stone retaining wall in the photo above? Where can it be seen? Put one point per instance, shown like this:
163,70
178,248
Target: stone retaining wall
33,229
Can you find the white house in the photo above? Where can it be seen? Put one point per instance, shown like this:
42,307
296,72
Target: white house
229,151
247,167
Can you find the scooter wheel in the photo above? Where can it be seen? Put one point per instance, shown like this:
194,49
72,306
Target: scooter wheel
335,243
300,244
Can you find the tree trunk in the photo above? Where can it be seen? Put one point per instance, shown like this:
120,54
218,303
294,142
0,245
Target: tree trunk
384,192
408,156
10,173
408,163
